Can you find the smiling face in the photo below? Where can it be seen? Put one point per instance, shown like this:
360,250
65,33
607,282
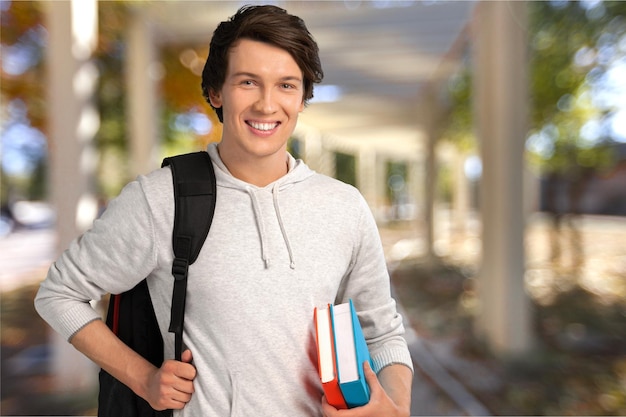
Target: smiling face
261,98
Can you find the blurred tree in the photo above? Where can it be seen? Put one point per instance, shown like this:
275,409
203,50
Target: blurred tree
574,49
111,139
22,94
187,120
577,60
183,66
22,39
575,46
459,128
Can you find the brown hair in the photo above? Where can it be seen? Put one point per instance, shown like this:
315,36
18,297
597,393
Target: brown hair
269,24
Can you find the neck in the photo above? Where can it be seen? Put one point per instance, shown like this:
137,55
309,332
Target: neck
255,171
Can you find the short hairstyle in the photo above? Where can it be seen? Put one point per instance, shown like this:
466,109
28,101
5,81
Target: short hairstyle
269,24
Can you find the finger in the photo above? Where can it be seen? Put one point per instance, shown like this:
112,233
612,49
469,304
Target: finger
327,409
184,386
178,369
186,372
187,357
176,404
181,396
371,378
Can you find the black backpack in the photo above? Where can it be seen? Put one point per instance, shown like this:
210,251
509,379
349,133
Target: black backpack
131,314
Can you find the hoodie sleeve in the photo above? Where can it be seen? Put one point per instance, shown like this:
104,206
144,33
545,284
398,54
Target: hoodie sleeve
368,285
113,256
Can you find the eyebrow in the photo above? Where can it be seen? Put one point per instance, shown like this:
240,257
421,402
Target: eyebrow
252,75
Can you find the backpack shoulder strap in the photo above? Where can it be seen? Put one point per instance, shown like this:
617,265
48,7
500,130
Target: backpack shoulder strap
194,206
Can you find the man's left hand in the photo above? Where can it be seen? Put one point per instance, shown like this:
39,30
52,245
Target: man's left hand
379,405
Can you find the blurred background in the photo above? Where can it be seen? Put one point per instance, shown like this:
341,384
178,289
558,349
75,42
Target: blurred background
489,139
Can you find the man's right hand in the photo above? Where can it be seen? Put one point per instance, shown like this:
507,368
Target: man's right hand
171,386
168,387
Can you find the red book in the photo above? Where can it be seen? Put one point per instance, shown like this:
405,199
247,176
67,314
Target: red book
327,365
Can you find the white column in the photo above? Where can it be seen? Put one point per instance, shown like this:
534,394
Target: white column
317,156
142,73
430,181
366,174
501,103
379,204
312,141
414,182
74,121
460,194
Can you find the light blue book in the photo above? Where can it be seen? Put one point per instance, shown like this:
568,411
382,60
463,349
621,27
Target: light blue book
350,351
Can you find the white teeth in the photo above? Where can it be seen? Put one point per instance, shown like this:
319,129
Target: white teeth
263,126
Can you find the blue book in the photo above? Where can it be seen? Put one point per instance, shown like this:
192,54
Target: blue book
350,352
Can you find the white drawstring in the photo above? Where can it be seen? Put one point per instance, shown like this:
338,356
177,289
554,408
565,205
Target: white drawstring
292,262
260,225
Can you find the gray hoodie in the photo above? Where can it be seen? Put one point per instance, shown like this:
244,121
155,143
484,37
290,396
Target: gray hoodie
273,254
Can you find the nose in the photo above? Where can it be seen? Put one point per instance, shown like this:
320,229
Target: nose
265,102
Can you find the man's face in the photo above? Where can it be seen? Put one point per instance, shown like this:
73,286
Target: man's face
262,95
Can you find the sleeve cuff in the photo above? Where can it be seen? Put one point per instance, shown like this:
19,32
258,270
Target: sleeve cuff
75,319
392,356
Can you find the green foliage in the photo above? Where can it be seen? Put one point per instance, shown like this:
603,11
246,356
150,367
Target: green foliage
345,168
572,46
568,46
109,58
396,174
179,90
295,148
459,128
22,26
555,35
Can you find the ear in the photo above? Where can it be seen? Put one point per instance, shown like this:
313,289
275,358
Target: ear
301,109
215,98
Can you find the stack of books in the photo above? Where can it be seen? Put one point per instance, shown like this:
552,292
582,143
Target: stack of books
341,350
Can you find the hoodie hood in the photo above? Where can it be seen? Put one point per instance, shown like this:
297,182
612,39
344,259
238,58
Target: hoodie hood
298,171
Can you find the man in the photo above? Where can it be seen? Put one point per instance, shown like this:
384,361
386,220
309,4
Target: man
284,240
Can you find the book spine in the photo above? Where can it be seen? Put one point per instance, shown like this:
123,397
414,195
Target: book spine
331,388
355,393
334,395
